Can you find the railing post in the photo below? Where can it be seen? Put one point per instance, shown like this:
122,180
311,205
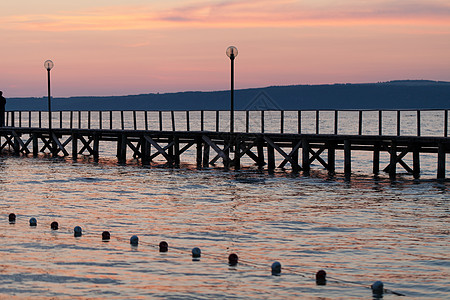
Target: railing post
380,122
446,123
173,119
122,121
60,119
89,119
12,119
29,118
146,120
398,122
71,119
282,122
160,121
40,119
20,118
418,122
100,121
187,121
202,120
110,120
79,119
247,121
317,121
262,121
134,120
336,121
360,122
217,120
299,121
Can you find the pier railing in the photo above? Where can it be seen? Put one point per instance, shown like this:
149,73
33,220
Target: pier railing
430,122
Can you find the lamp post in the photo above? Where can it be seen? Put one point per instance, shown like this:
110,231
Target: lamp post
48,64
232,52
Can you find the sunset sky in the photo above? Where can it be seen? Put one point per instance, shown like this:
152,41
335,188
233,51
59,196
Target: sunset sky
120,47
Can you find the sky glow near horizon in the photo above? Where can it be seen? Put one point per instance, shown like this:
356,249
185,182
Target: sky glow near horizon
119,47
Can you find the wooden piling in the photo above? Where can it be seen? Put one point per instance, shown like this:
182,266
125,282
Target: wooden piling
347,158
441,161
376,158
393,160
305,156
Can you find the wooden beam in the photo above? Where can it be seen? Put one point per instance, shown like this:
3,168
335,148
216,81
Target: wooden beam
159,149
216,148
281,151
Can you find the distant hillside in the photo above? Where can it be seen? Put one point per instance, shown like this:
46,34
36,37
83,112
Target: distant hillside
406,94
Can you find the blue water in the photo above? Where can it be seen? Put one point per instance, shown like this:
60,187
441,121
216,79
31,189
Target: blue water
360,231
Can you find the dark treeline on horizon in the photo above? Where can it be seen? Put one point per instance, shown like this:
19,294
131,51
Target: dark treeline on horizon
406,94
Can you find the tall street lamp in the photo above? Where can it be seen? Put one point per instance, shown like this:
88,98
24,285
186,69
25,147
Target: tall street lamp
232,52
48,64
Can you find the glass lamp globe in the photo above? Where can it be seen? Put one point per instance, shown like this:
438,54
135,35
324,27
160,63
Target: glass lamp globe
48,64
232,52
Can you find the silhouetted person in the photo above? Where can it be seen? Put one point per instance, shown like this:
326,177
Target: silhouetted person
2,109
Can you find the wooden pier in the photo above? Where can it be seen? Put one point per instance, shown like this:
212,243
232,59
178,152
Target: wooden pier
265,150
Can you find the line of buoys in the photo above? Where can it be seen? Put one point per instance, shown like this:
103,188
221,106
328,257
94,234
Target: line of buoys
321,276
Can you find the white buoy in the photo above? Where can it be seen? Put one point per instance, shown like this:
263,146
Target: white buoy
33,222
196,252
276,268
77,231
377,287
134,240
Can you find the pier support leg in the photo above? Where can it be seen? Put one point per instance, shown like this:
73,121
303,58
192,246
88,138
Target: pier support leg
393,161
74,146
260,147
441,162
96,146
416,162
376,158
176,150
295,168
35,144
206,156
331,158
237,156
305,157
347,159
145,152
122,149
226,161
199,153
270,158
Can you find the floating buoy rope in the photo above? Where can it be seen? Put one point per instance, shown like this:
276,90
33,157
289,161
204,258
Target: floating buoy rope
233,260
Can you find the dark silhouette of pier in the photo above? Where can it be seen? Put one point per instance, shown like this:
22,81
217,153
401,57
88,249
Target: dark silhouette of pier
26,134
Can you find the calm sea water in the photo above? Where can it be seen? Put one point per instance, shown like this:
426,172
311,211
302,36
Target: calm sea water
359,231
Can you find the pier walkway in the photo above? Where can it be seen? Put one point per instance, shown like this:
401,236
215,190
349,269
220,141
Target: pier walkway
27,133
